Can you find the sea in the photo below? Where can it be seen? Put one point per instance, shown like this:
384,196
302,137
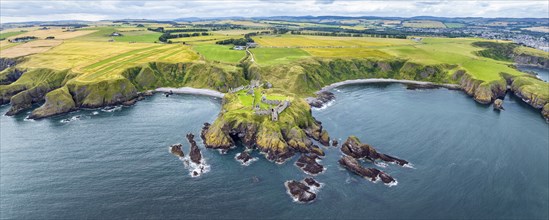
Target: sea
467,161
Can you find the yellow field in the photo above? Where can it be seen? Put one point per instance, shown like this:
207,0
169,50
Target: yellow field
23,49
321,41
96,60
58,33
210,39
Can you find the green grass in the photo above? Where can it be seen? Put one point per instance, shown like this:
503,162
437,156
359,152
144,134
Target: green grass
9,34
128,35
220,53
454,25
271,56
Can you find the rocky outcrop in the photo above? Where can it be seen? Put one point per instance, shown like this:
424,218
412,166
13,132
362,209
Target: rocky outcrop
302,191
321,98
194,154
525,59
10,75
244,157
531,90
498,104
545,112
355,149
176,150
6,63
482,92
278,140
309,164
373,174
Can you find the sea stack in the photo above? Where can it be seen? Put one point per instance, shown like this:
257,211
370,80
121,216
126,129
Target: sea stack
195,154
176,150
498,105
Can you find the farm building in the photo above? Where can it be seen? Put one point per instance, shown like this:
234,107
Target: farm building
115,34
239,48
251,45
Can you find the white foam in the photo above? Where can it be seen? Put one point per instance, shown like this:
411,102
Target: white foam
381,164
409,165
391,184
200,169
95,113
73,118
112,109
247,163
325,105
28,119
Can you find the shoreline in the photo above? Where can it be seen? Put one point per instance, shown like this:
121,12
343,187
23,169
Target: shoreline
191,91
382,80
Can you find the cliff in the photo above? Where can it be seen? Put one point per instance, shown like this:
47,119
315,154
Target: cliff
36,85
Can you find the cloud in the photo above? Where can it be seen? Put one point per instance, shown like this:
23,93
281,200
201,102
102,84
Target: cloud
17,10
324,1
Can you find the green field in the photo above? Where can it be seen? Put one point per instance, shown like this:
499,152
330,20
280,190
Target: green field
220,53
270,56
454,25
5,35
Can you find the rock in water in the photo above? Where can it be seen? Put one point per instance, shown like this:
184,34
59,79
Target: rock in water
321,99
244,157
352,165
176,150
498,104
301,191
311,182
354,148
195,154
334,143
308,164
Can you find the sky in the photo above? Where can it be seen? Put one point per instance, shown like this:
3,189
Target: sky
23,10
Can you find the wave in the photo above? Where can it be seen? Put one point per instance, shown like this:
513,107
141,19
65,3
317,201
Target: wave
112,108
73,118
325,105
195,170
247,163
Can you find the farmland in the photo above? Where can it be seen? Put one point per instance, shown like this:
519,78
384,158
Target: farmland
220,53
100,60
424,24
94,59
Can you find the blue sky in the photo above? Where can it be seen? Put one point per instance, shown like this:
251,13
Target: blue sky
20,10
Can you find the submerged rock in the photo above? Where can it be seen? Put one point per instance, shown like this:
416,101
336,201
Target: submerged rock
176,150
498,104
302,191
355,149
195,154
308,164
335,143
354,166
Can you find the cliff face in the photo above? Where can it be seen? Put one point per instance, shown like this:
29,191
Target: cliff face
36,85
308,76
279,140
526,59
31,88
481,91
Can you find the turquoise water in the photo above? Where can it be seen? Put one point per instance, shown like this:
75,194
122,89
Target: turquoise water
469,162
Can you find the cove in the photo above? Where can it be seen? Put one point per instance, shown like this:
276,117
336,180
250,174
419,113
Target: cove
469,161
